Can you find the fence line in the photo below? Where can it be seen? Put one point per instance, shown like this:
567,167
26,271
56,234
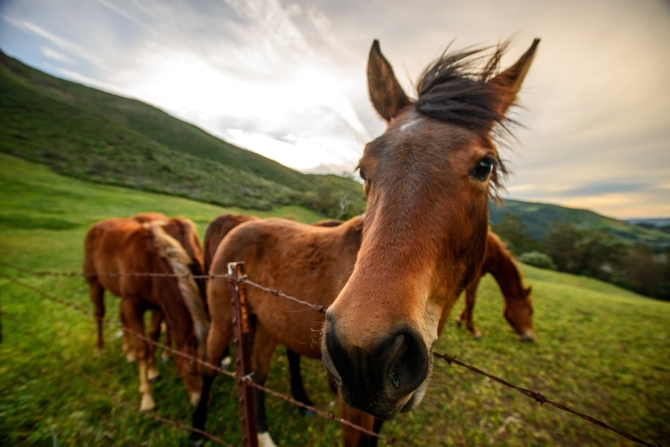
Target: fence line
99,386
218,369
539,397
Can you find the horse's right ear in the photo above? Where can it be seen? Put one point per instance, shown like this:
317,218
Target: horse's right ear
385,92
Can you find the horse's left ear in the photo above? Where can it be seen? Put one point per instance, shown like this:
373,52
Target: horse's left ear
385,92
529,290
509,81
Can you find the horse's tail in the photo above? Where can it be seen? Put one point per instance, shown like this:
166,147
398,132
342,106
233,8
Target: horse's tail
172,251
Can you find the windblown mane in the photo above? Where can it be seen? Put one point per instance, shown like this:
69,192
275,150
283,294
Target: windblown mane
172,251
455,89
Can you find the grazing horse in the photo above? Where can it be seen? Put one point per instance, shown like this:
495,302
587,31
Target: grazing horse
428,179
115,251
302,260
518,310
184,231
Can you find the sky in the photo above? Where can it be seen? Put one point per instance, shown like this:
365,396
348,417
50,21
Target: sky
286,79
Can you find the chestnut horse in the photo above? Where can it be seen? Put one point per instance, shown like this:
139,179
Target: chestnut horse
116,250
308,261
428,179
518,304
184,231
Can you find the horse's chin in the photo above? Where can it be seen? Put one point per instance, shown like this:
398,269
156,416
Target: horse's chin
417,397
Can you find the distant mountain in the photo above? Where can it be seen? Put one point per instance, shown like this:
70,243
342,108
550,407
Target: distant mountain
657,222
538,216
96,136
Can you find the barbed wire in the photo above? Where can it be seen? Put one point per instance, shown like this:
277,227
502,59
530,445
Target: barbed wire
102,388
218,369
245,280
539,397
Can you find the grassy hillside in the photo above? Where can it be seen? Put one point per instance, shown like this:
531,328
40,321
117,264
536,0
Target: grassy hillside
95,136
600,349
153,124
538,216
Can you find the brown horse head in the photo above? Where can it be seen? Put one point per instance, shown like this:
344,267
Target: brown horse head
518,303
427,179
519,314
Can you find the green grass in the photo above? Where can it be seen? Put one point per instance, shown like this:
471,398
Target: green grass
600,349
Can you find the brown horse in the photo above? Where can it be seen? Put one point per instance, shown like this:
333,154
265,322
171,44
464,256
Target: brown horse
518,304
313,262
216,231
184,231
116,250
428,179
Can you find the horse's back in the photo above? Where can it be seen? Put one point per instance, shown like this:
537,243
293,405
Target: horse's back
217,230
113,247
307,262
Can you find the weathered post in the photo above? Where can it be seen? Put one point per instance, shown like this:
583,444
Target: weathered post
243,337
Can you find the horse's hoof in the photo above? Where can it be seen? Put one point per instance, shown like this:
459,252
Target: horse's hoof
525,338
98,353
225,365
130,358
264,440
147,404
153,376
477,337
118,334
459,323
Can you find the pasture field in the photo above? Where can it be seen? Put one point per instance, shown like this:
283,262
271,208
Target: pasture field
601,349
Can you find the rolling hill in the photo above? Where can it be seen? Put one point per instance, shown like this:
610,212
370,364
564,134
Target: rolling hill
96,136
538,216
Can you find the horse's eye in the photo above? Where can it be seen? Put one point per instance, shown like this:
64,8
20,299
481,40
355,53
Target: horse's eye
361,172
483,169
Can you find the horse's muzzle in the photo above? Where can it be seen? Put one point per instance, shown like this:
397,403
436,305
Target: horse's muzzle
379,379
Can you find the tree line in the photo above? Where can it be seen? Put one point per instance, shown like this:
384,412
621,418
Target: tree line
566,247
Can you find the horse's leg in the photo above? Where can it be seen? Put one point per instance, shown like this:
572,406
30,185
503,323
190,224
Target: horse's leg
264,345
470,297
353,437
168,342
218,339
133,316
154,334
98,299
297,388
128,347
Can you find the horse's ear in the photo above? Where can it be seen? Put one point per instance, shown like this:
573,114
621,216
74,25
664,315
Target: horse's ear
528,290
385,92
509,81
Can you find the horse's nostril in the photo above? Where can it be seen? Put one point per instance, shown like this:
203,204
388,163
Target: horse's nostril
400,362
393,376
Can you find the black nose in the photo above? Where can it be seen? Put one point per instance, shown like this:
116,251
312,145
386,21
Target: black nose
374,379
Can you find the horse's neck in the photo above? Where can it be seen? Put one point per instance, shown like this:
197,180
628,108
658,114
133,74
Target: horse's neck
173,306
500,264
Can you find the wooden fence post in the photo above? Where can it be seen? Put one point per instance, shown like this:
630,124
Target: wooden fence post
243,338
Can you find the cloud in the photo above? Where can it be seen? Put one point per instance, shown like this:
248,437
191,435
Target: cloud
596,100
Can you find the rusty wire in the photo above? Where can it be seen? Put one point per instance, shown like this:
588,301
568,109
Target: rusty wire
100,387
245,280
539,397
218,369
